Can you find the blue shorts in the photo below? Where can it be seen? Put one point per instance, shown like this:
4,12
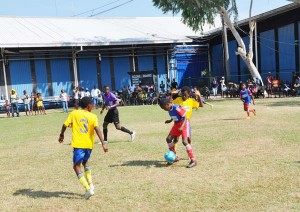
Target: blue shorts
80,155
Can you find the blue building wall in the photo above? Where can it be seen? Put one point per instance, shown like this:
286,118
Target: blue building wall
121,67
161,70
267,53
20,76
191,61
286,42
41,77
60,75
145,60
105,72
87,69
217,60
233,61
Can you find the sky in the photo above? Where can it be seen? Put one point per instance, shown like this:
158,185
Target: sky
131,8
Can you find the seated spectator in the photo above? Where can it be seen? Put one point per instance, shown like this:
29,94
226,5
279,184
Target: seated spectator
297,86
287,88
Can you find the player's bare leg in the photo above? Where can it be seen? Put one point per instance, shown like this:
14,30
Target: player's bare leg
123,129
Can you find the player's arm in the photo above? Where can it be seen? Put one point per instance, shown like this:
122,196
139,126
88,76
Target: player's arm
241,98
99,134
103,107
62,134
114,105
182,125
168,121
198,96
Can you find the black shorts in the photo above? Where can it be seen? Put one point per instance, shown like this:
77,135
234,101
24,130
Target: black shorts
112,116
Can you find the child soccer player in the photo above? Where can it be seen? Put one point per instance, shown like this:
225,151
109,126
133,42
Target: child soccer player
111,103
189,104
246,96
83,124
180,128
7,108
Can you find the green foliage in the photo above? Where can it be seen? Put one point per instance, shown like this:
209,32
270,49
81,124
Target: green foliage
195,13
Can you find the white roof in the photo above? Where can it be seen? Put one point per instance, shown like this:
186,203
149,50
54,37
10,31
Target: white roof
58,32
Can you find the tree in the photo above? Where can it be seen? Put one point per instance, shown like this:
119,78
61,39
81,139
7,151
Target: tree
195,13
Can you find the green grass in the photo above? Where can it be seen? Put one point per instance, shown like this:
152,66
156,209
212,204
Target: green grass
243,165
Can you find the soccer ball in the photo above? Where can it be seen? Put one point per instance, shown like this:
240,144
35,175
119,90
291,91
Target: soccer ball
170,156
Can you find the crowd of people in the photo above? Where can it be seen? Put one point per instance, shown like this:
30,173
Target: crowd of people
273,86
149,94
33,104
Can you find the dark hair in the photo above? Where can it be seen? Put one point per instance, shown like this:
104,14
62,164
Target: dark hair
186,89
105,86
163,102
85,101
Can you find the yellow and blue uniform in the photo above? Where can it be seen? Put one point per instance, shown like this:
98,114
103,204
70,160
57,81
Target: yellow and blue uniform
82,123
189,104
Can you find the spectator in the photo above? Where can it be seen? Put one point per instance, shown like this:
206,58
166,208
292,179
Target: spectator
297,86
174,84
76,98
258,83
125,95
214,85
95,92
287,88
7,108
64,99
294,78
26,101
40,104
223,86
14,103
82,93
169,86
150,88
32,102
269,83
162,87
87,92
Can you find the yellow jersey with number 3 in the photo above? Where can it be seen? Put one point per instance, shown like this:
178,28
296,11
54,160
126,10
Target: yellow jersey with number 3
82,123
189,104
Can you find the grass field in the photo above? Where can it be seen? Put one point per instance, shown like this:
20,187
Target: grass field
243,165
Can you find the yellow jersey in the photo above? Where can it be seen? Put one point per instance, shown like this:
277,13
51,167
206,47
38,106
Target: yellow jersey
188,105
82,123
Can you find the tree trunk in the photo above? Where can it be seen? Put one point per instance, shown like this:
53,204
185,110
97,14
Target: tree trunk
247,58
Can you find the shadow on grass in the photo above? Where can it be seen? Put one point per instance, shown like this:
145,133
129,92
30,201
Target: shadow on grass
145,163
284,103
232,119
47,194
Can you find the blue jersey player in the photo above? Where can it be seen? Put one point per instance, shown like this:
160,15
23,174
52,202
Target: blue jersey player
180,128
246,97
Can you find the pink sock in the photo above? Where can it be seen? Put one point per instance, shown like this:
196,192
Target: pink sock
190,152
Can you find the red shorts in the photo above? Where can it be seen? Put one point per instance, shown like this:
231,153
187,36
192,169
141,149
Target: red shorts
246,107
185,133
